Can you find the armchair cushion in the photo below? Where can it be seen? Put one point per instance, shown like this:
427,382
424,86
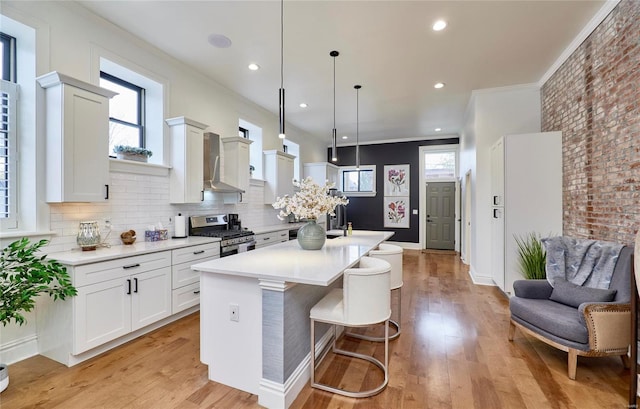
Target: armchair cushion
557,319
573,295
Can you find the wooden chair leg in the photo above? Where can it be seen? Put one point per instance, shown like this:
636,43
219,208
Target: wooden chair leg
512,330
572,364
625,361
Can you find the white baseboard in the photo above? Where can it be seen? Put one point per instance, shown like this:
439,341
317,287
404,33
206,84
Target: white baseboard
274,395
19,349
480,280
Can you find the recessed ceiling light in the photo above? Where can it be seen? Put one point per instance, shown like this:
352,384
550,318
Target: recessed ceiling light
219,41
345,137
254,67
439,25
438,85
303,105
438,129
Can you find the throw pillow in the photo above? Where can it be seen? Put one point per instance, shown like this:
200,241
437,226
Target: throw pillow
571,294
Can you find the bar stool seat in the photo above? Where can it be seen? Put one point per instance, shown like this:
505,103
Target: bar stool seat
364,300
393,255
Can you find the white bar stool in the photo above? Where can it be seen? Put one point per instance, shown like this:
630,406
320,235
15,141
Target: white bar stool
364,300
392,254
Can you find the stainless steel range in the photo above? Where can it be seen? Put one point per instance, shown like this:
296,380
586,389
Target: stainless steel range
233,241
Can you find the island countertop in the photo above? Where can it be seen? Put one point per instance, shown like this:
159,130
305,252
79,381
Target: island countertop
289,263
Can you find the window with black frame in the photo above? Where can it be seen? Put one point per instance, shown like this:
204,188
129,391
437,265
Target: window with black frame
358,181
126,112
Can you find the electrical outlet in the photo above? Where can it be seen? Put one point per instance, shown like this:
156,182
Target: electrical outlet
234,312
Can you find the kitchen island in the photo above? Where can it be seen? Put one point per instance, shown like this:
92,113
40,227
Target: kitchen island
254,312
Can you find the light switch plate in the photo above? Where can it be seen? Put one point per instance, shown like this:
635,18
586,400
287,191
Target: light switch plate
414,211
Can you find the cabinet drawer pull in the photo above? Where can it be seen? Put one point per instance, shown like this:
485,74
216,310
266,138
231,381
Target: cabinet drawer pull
197,292
198,252
131,266
128,286
266,238
284,234
135,282
106,195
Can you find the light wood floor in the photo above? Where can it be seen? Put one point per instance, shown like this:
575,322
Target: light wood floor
453,353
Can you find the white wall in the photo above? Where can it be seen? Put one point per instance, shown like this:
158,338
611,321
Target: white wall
491,114
74,38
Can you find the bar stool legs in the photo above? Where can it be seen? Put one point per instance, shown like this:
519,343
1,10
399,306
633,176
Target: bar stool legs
361,394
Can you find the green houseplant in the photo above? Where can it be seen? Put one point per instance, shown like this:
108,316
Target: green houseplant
132,153
23,276
532,257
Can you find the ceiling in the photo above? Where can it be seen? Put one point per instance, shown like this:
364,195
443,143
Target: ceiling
388,47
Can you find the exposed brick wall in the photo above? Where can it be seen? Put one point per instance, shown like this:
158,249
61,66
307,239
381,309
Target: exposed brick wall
594,99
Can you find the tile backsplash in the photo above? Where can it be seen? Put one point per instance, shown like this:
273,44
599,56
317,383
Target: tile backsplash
139,201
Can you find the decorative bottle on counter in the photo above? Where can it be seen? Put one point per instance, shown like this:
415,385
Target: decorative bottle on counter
88,235
349,229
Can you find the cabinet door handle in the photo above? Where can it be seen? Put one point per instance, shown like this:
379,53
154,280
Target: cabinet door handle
197,292
135,282
131,266
128,286
202,195
106,195
496,213
198,252
240,197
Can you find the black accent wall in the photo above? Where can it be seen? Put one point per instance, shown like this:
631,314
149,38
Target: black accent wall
366,213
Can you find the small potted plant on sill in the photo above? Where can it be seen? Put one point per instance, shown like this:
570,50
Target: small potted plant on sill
132,153
23,276
251,169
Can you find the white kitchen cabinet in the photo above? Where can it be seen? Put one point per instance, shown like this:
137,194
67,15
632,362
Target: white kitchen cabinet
321,172
526,188
115,299
106,310
270,238
278,175
185,288
236,162
77,139
186,178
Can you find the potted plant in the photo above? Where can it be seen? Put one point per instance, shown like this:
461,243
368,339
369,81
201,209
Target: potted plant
132,153
532,257
23,276
251,169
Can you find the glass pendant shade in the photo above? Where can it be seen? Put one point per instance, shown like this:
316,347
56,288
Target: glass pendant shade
357,88
334,139
281,134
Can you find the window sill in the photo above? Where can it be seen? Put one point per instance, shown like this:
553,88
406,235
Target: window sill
359,194
256,182
20,234
140,168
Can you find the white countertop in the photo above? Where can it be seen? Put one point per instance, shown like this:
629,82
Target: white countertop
289,263
78,257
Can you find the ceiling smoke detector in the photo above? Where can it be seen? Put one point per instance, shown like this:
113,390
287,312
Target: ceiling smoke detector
219,41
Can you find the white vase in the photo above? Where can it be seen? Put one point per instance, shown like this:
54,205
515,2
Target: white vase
311,236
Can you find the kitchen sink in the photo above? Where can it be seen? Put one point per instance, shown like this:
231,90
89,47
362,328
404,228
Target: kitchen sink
333,236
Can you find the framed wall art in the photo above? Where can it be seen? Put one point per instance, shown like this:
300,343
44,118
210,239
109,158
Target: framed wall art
396,212
396,180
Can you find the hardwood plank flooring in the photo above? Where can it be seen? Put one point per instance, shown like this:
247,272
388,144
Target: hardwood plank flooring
453,353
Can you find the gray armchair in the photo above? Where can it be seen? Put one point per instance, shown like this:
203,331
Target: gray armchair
586,328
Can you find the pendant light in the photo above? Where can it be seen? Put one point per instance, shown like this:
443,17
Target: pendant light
281,135
334,140
357,87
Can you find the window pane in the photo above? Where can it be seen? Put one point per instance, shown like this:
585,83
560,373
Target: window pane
120,134
123,106
350,181
440,165
366,181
